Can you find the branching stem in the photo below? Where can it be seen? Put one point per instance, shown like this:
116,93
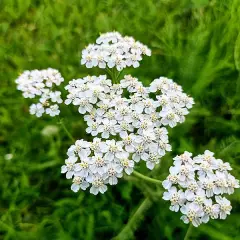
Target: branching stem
114,74
148,179
66,130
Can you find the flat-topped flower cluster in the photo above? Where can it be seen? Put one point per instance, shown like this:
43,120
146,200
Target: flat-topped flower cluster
113,50
40,84
136,121
195,187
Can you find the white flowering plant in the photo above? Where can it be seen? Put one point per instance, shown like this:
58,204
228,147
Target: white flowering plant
129,123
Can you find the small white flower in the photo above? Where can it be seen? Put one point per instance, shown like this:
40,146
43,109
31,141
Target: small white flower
133,60
199,197
89,59
143,125
152,160
185,172
232,183
160,84
107,128
192,187
114,172
176,198
84,106
220,183
181,112
163,147
140,153
81,148
126,164
161,134
79,183
56,97
37,109
169,117
192,213
98,185
225,207
92,128
208,184
82,169
173,178
53,110
114,150
70,167
210,210
113,37
100,164
130,141
123,128
206,157
184,158
98,146
221,166
130,83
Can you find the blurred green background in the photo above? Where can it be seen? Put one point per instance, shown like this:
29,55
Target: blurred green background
195,42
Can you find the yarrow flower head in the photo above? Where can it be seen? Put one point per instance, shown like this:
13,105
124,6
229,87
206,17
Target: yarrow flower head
95,164
135,115
195,187
114,50
40,84
136,120
127,120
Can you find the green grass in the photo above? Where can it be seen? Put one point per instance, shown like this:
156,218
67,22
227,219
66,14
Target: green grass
197,43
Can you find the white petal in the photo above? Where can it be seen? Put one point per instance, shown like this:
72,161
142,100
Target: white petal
75,187
69,175
150,165
64,169
94,190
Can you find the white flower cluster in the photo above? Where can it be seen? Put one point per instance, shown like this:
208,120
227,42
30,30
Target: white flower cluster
113,50
136,121
40,83
195,187
100,163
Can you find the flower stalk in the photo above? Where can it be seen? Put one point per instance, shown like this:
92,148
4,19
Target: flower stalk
66,130
189,231
148,179
134,221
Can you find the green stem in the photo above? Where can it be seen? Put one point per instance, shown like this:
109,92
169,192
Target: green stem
118,75
66,130
148,179
133,222
189,231
109,71
114,74
43,166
